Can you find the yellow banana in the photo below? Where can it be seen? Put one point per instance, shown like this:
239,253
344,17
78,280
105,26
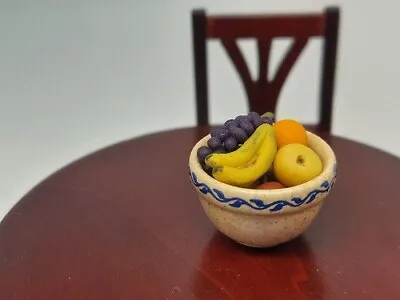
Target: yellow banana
246,175
242,155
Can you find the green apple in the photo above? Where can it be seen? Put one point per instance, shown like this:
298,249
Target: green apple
295,164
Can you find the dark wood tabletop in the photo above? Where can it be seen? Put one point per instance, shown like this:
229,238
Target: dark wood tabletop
125,223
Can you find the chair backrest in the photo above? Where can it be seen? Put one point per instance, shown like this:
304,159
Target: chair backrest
262,93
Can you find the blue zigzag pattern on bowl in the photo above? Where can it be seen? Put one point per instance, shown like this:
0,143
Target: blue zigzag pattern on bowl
258,204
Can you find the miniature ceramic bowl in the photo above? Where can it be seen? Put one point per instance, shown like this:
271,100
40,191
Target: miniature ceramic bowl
264,218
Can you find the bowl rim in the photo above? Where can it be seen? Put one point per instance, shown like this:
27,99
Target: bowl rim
284,193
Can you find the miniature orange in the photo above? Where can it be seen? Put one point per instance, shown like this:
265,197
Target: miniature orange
290,131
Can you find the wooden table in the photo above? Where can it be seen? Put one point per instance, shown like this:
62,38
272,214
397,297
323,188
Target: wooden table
124,223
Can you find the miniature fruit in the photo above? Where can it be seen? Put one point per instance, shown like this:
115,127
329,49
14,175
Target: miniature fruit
214,143
267,120
202,153
246,175
242,155
247,127
290,131
268,117
230,144
268,114
253,151
239,134
255,119
270,185
229,137
295,164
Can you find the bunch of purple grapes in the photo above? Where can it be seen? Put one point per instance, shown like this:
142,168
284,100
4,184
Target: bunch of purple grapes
231,135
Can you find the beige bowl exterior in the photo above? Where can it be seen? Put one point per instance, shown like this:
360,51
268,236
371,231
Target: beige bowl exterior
264,218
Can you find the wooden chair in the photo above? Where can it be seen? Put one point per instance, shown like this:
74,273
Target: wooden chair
263,94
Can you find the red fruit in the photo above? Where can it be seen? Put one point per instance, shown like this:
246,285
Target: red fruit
270,185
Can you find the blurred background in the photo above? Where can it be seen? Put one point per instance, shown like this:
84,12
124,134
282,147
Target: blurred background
79,75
